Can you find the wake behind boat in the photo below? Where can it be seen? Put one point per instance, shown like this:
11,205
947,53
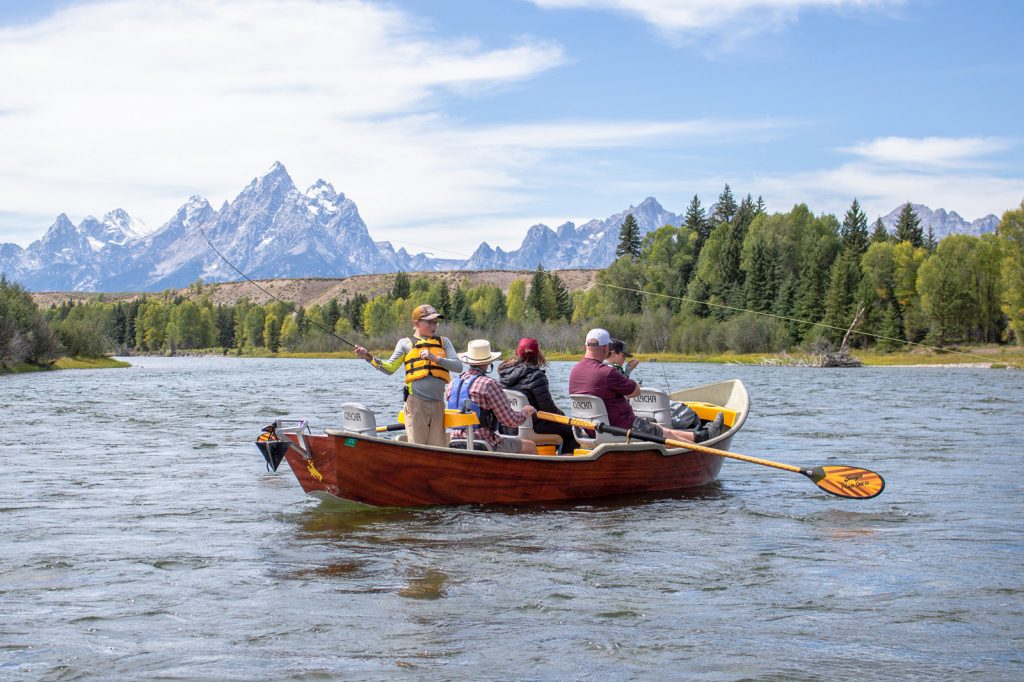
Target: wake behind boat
356,464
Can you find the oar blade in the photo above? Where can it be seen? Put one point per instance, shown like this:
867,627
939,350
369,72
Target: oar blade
846,481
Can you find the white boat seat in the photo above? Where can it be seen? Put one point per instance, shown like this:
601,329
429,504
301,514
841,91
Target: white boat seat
592,409
517,399
357,419
653,405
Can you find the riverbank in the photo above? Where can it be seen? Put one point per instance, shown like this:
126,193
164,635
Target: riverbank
995,357
66,363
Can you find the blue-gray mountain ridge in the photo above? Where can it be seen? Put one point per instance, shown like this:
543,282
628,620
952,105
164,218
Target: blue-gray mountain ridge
273,230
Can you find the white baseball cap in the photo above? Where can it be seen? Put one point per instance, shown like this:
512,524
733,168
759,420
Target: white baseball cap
598,337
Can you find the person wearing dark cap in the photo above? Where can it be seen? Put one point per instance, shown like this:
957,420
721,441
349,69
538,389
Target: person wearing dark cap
429,360
617,355
593,376
525,373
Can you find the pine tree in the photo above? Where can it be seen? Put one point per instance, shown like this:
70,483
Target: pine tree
854,231
725,208
331,312
629,239
930,242
760,208
760,285
842,287
908,227
562,298
879,234
399,288
535,297
892,330
696,222
444,299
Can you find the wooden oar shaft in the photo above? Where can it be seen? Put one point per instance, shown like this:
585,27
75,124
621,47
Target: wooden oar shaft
618,431
844,481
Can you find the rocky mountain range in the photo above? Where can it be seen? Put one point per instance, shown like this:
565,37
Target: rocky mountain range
274,230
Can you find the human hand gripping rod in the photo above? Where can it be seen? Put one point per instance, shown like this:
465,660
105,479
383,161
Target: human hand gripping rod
842,481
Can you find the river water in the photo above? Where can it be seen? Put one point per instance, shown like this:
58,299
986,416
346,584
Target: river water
143,538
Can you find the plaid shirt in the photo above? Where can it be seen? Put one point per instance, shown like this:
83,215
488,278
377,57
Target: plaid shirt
488,394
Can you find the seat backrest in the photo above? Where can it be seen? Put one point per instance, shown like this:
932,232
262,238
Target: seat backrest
592,409
653,404
518,400
357,419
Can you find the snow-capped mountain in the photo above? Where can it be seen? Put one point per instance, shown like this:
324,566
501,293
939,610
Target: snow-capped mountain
272,229
591,245
943,223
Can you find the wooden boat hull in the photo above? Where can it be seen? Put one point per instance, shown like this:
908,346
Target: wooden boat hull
387,473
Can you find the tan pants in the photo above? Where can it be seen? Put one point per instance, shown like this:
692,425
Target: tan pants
424,421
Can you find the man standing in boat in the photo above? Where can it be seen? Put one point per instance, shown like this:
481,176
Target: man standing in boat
486,397
428,360
593,376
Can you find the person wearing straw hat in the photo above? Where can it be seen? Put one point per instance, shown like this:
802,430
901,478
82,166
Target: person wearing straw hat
429,360
479,392
593,376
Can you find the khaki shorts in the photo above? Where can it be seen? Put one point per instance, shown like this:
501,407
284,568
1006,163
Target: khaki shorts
424,421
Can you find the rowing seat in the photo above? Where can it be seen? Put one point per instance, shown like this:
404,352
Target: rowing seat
518,401
653,405
355,418
592,409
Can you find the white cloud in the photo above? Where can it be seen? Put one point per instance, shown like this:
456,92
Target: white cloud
880,190
928,151
699,16
142,104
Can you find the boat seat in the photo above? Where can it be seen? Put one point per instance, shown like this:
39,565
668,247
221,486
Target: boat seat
592,409
517,399
462,444
653,405
356,418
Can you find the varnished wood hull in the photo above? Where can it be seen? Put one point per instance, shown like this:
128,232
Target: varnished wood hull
383,472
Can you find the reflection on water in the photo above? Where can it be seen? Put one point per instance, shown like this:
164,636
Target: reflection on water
144,538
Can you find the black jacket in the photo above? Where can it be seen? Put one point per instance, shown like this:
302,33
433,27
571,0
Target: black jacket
530,381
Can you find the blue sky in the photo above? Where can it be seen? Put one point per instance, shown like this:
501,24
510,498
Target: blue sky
452,122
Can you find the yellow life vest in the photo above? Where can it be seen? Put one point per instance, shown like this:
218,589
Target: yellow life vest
418,368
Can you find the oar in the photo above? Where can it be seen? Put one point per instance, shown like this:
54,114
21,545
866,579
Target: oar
391,427
844,481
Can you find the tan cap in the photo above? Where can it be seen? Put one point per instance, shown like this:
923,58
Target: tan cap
425,312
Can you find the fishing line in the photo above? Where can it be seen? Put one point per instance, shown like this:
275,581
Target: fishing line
985,358
309,319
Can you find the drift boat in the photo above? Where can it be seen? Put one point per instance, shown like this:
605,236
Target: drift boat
360,463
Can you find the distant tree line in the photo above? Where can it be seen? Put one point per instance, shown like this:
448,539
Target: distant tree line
172,322
735,279
745,280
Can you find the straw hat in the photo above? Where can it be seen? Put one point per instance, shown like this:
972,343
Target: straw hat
478,352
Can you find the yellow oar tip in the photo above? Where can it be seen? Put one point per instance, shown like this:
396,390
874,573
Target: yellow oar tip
846,481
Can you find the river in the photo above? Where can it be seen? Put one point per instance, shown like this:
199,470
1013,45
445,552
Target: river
143,538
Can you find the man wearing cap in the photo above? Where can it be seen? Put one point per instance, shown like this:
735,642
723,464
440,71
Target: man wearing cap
474,389
428,360
617,355
592,376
